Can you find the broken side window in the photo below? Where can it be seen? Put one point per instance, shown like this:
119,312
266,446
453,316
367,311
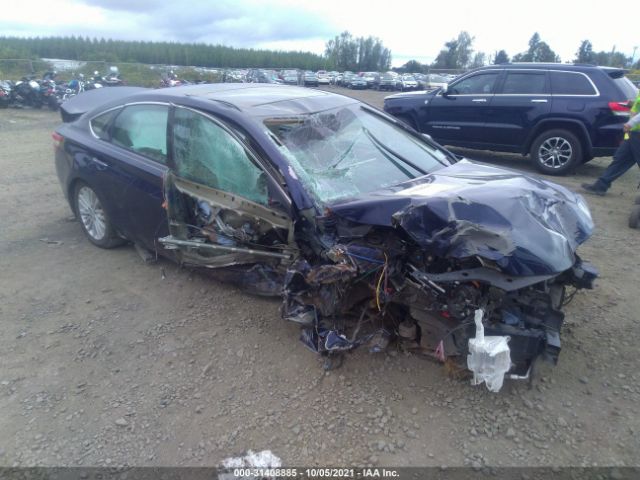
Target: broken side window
206,153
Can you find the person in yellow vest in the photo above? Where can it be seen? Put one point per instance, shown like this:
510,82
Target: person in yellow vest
626,156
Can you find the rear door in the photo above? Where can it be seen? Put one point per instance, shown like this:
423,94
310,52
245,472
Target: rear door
523,99
127,167
224,205
459,115
138,135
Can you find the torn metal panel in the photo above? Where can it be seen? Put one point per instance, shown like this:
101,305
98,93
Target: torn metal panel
526,225
212,228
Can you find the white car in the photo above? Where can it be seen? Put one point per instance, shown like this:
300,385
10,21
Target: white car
435,81
323,78
407,82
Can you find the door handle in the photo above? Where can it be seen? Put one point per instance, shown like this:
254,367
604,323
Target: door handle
480,100
99,163
539,100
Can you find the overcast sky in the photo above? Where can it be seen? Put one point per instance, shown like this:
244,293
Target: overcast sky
411,29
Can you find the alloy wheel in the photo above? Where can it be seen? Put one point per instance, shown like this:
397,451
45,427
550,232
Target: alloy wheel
555,152
91,213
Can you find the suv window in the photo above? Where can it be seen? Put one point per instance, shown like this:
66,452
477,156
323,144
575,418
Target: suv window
206,153
571,83
525,83
479,84
627,87
143,129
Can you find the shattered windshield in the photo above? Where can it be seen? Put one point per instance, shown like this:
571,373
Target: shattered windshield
344,152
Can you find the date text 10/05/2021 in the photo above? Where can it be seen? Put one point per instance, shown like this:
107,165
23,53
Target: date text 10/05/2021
314,473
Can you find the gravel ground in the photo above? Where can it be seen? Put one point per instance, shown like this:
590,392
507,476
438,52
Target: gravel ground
106,360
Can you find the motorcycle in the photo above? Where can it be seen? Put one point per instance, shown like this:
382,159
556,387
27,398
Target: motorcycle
5,93
26,93
94,82
172,80
48,91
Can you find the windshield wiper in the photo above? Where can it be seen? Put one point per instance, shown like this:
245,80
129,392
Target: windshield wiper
382,146
346,153
413,133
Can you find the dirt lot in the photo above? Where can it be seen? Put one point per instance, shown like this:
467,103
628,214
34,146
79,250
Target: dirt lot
105,360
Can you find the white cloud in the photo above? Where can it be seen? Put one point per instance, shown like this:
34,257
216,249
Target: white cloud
411,29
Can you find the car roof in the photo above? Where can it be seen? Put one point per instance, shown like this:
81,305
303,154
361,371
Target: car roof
257,100
579,67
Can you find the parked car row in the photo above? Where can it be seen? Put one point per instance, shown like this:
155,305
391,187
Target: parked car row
390,81
283,77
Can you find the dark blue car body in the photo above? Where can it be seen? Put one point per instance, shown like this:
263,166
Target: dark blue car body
459,226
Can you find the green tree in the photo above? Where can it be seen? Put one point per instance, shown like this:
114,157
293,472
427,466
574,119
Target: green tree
611,59
538,51
479,59
413,66
113,51
345,52
456,53
501,57
585,53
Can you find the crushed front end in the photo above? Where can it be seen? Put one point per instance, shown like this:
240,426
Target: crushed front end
415,264
404,243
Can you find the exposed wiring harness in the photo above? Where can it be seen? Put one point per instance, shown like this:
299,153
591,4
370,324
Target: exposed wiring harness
383,275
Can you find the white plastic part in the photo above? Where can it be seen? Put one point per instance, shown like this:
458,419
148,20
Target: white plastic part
489,357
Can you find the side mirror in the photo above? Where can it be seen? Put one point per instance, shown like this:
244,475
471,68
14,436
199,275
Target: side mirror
444,89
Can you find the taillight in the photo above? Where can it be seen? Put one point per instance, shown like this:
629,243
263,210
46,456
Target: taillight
620,108
57,139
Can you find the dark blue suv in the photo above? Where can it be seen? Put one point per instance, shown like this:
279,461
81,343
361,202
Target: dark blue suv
560,114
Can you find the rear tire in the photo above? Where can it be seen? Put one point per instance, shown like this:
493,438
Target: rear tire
93,218
555,152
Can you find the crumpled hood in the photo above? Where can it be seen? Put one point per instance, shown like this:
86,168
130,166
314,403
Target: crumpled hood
527,225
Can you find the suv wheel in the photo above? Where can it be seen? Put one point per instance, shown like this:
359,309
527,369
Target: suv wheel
555,152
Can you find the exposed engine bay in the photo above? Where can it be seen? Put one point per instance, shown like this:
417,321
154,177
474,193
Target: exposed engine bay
349,284
381,288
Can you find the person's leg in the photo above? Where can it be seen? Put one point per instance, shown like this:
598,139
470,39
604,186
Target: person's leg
634,141
623,160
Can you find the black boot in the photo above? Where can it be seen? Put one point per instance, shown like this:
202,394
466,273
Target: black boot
594,188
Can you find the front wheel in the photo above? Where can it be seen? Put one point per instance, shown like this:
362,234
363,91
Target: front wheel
94,219
555,152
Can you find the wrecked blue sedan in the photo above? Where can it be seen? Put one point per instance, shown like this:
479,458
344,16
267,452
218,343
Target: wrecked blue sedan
373,234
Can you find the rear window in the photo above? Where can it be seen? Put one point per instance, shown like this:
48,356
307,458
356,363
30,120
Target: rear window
626,86
522,83
100,124
571,83
143,129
